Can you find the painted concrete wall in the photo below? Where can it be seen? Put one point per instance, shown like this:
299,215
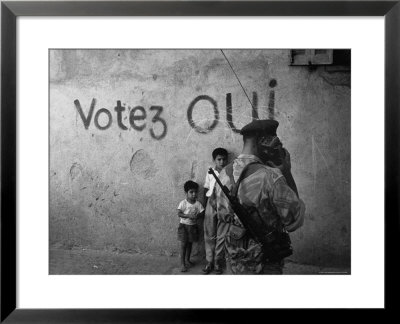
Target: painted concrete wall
129,127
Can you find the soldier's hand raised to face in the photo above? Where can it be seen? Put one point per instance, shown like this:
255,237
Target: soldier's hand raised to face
286,165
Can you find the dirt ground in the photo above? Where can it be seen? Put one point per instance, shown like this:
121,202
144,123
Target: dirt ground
85,261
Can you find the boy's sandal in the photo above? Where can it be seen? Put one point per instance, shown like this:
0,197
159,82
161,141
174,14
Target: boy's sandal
183,269
208,268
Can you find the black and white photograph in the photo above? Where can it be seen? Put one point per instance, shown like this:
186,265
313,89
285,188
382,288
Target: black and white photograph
199,161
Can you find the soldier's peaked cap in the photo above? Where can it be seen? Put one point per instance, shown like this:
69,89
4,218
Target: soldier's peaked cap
263,126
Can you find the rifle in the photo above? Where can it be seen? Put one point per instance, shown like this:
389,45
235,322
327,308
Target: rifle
255,230
275,244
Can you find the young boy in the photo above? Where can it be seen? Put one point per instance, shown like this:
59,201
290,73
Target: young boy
214,246
188,211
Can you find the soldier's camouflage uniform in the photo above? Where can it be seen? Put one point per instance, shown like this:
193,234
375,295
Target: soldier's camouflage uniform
267,191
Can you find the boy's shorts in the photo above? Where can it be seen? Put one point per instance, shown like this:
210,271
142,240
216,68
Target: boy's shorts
188,233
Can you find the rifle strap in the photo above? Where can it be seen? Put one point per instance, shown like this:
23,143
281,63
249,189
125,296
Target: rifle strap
248,170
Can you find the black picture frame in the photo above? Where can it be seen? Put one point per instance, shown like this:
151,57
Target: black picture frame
9,13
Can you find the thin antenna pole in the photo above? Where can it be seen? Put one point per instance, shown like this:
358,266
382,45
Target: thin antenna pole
237,78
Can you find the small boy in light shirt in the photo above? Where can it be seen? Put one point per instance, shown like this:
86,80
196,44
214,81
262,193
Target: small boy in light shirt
188,211
214,246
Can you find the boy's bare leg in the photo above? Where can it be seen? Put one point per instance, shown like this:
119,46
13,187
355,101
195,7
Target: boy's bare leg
188,253
183,256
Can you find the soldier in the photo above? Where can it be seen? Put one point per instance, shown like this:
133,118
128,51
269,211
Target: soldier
266,189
